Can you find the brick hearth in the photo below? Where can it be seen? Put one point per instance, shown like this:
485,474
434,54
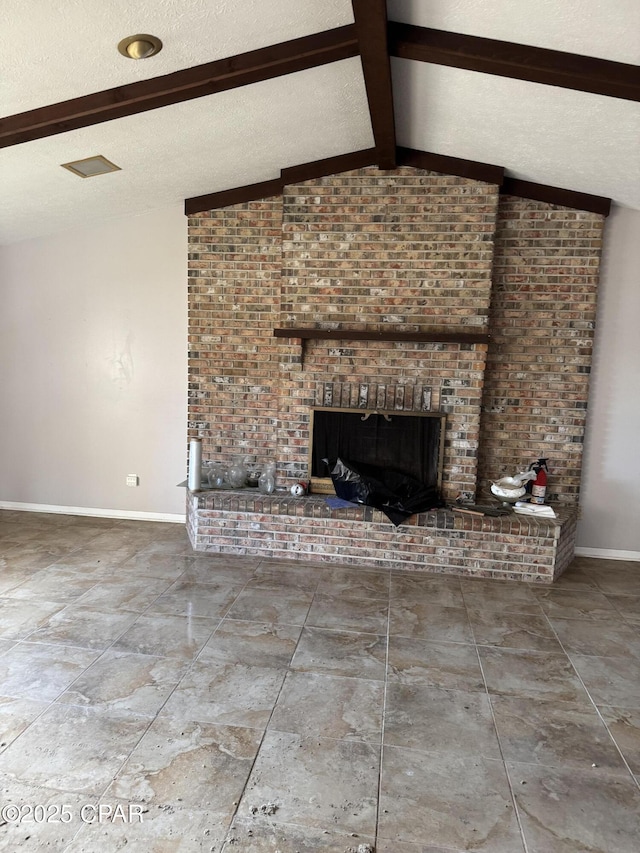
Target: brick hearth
509,547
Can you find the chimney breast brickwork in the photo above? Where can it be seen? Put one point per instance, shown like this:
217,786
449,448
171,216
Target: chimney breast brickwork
405,251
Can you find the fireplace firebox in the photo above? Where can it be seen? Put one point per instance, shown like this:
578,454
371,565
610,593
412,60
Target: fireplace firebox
411,443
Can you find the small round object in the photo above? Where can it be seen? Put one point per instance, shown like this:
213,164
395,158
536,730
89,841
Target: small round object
297,490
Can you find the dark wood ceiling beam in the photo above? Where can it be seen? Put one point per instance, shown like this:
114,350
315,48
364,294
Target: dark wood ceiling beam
329,166
519,61
371,28
451,165
556,195
291,175
237,195
208,79
405,157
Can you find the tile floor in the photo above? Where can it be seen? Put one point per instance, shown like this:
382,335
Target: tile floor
159,701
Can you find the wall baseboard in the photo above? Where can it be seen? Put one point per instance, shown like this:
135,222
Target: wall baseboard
132,515
607,554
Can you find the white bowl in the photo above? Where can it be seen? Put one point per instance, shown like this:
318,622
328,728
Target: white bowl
505,493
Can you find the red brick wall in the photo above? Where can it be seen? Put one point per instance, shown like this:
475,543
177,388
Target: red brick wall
542,324
407,250
234,298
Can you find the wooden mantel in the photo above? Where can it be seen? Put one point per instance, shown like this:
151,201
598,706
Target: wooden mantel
432,336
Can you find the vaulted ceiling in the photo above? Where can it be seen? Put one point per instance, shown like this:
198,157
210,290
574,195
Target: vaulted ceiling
459,78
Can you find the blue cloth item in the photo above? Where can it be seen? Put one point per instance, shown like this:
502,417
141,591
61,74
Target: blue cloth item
338,503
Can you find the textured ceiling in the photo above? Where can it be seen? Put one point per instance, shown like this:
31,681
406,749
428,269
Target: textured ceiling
230,139
609,29
545,134
540,133
73,44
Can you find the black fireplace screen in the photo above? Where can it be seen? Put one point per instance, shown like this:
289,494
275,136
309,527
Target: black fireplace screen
407,443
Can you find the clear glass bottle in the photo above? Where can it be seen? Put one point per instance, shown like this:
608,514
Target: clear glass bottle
217,475
267,481
237,473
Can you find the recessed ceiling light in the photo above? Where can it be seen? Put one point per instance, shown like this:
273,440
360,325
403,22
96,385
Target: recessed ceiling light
141,46
91,166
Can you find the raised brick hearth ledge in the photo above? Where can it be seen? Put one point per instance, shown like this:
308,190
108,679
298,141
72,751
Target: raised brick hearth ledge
512,547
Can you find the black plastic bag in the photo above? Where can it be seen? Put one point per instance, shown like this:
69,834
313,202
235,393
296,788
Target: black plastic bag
396,494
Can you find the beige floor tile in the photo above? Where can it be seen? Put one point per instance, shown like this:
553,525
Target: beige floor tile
513,631
188,765
617,577
123,681
628,606
330,707
133,594
402,847
607,638
569,810
452,666
32,557
5,645
610,680
183,598
341,653
575,604
575,577
429,621
368,615
355,584
554,733
430,719
57,584
218,568
167,636
41,672
250,836
500,596
19,618
132,539
263,605
99,562
283,580
208,686
539,675
230,694
15,716
162,829
168,567
251,643
73,749
440,799
38,819
426,589
167,547
88,627
12,579
624,725
316,782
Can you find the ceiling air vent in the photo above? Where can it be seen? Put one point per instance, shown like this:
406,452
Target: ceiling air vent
91,166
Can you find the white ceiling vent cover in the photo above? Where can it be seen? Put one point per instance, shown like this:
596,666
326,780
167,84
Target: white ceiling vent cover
91,166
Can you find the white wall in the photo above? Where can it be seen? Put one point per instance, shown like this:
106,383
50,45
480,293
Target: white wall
610,496
93,366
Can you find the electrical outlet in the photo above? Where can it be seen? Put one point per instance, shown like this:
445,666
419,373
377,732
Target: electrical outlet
132,480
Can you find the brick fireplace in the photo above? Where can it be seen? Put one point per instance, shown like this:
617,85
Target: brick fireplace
402,252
